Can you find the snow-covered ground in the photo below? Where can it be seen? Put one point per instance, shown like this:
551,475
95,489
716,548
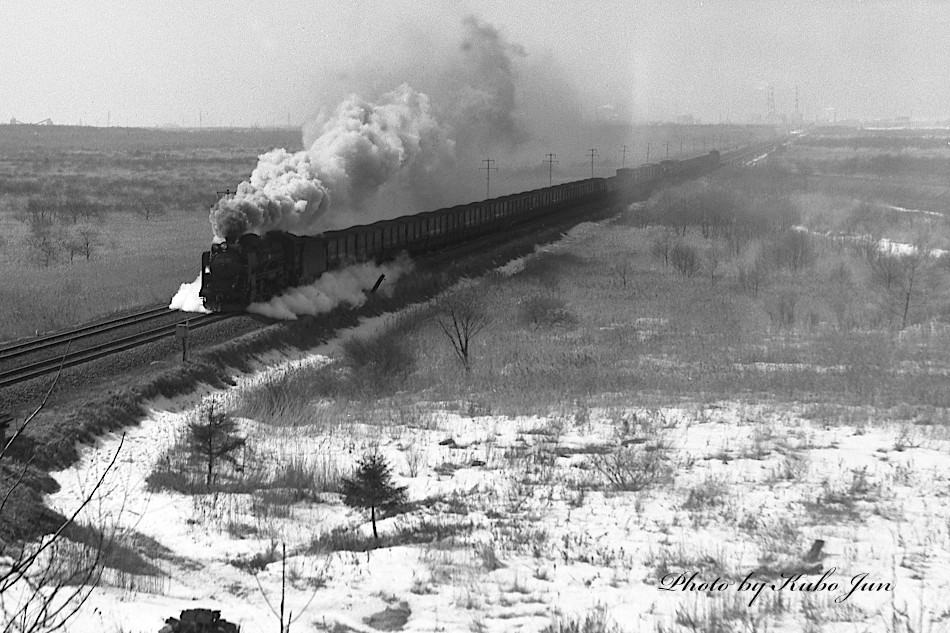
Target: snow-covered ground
884,245
525,532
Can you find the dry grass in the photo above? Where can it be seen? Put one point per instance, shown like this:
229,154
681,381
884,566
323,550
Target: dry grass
136,261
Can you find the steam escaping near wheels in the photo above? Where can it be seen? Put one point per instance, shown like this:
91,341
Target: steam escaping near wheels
349,286
187,299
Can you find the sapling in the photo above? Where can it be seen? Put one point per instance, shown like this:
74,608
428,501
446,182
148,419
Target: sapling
371,487
214,440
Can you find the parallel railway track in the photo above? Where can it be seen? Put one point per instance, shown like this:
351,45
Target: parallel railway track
39,356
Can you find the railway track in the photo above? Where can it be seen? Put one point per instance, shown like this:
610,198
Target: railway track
40,356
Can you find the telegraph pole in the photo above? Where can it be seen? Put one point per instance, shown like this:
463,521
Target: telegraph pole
549,159
624,155
488,170
667,149
592,152
648,151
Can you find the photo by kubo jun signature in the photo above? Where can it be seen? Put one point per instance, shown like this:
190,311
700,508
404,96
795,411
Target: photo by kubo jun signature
786,581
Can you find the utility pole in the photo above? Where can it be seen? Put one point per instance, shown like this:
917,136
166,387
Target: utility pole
681,147
667,149
624,155
550,161
648,151
592,152
488,170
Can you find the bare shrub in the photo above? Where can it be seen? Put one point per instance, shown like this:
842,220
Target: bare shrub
685,258
380,363
792,249
710,492
781,308
633,468
597,620
660,248
461,314
840,294
752,276
546,311
712,258
415,459
43,585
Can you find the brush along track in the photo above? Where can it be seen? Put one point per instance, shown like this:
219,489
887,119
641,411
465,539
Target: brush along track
40,356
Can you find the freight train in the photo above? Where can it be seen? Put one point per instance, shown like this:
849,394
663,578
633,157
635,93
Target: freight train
254,268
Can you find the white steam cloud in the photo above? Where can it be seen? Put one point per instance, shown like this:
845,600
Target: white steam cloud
367,156
402,142
345,286
362,146
187,299
485,113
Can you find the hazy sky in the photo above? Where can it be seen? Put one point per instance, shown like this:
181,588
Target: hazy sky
241,62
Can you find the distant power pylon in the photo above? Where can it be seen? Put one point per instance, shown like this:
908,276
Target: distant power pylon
592,152
488,170
549,159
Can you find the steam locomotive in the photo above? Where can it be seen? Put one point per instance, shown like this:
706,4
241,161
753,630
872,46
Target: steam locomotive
253,268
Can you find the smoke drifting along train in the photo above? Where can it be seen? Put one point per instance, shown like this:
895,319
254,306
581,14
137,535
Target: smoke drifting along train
252,268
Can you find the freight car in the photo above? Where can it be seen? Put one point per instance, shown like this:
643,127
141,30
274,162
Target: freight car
254,268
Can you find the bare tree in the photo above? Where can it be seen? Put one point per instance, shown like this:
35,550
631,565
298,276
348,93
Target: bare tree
840,294
461,313
752,275
45,238
685,259
43,585
903,278
660,247
150,209
84,241
44,247
712,257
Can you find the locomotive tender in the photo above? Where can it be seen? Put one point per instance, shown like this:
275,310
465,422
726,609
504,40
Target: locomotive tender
253,268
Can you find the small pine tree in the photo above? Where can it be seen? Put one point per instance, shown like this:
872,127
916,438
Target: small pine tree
214,440
371,486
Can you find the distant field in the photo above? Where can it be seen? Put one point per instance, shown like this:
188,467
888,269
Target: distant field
140,196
